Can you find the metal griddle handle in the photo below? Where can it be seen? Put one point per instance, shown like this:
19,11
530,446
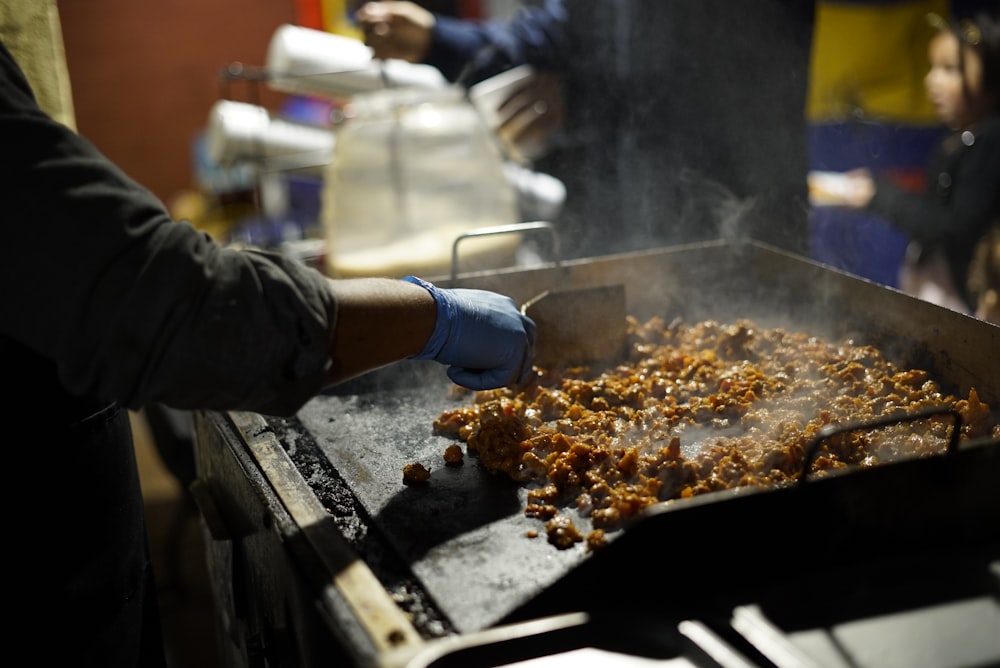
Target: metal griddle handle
505,229
833,429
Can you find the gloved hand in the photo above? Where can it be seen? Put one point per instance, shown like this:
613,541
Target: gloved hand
483,337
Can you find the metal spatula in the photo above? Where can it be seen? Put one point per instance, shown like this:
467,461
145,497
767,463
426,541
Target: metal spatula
579,326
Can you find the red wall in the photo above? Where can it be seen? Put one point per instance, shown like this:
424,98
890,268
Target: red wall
145,75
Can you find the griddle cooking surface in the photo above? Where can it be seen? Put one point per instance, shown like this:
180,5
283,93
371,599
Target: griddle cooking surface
463,533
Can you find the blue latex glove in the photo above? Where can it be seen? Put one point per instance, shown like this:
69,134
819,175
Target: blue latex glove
483,337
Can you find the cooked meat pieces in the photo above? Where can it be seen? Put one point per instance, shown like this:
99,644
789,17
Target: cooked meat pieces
415,474
562,532
453,455
699,408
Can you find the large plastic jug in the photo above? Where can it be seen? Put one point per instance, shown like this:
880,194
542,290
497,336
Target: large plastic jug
412,171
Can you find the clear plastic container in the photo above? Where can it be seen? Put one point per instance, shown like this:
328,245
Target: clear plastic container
238,131
412,171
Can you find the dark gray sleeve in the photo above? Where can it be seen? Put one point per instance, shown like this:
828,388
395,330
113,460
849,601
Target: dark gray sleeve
131,305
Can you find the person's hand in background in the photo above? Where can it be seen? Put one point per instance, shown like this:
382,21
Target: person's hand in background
396,29
530,115
860,188
853,189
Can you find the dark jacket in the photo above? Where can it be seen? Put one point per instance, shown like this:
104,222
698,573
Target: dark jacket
961,200
108,304
686,118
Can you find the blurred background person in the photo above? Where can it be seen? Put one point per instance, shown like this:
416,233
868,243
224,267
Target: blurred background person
683,121
867,107
962,196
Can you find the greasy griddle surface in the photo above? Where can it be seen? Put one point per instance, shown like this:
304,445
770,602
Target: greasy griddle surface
464,532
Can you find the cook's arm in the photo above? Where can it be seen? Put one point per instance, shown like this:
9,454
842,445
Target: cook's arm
134,307
535,35
379,321
482,336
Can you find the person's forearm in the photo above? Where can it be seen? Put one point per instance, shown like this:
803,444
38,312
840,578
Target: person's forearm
536,35
379,321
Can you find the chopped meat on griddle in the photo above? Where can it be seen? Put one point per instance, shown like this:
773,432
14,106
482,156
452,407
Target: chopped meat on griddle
696,409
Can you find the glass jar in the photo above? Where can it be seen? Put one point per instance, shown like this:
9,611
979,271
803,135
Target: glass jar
411,172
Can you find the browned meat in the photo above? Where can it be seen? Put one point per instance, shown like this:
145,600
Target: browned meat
415,474
562,532
695,409
453,455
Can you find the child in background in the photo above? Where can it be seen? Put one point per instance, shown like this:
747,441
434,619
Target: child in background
962,196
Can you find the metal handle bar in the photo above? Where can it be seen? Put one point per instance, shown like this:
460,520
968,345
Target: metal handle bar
538,225
831,430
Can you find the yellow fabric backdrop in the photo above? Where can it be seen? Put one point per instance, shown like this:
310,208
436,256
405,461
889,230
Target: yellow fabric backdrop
871,57
336,18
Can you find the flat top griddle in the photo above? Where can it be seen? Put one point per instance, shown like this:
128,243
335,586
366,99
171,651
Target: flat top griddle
464,533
